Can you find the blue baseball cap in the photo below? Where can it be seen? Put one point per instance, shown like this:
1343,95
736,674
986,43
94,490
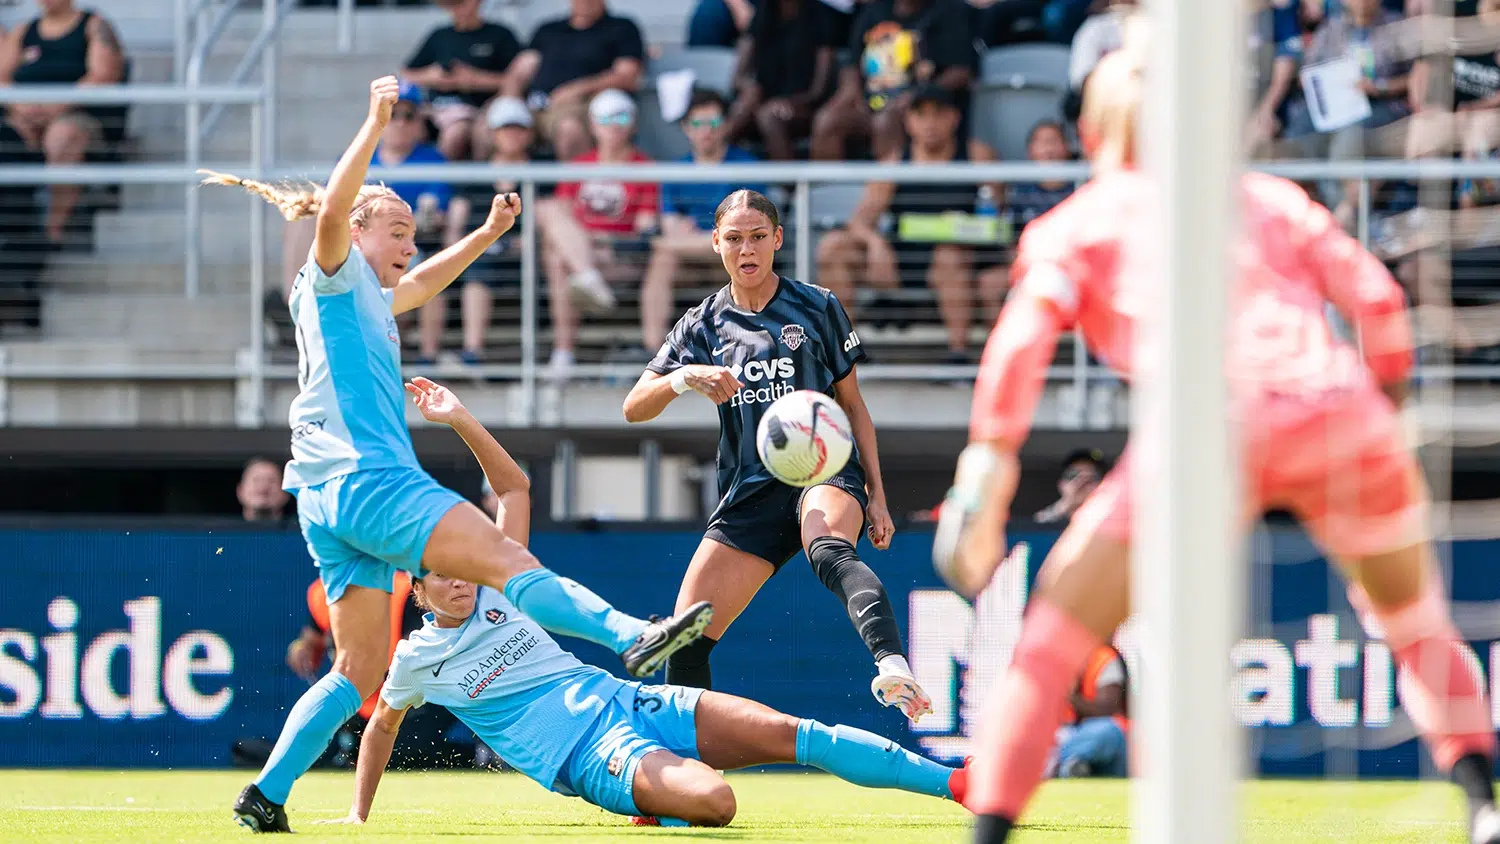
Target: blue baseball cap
411,93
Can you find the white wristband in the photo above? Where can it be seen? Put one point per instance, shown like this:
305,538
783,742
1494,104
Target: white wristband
679,382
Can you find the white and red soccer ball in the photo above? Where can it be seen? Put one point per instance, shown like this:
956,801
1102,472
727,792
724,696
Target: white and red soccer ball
804,438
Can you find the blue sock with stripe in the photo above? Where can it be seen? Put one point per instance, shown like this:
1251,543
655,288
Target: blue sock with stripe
309,727
866,759
569,608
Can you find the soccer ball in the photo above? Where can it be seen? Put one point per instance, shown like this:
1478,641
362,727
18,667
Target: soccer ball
804,438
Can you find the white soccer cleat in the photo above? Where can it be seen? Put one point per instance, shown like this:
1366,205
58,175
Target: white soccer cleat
1486,826
901,691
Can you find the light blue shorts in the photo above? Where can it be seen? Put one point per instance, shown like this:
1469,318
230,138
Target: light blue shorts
639,720
363,526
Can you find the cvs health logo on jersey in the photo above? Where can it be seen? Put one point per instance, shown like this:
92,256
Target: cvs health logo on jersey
756,374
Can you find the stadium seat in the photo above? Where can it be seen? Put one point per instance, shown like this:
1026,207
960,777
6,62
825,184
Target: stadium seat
714,69
1018,86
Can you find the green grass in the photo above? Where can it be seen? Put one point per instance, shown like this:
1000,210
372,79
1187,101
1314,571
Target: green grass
95,806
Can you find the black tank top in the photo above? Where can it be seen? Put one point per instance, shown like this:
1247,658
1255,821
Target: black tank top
57,60
929,198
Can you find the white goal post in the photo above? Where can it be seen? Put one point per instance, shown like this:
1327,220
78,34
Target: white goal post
1188,567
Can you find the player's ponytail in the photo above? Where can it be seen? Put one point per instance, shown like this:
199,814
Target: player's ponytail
303,202
294,203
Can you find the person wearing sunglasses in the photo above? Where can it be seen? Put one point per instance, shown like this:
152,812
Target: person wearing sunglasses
1081,472
687,220
595,223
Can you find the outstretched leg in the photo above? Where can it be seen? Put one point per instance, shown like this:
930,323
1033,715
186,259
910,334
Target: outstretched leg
737,733
832,519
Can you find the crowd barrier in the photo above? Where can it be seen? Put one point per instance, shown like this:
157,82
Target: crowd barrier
156,647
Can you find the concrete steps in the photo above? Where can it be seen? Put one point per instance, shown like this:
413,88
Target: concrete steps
165,321
77,274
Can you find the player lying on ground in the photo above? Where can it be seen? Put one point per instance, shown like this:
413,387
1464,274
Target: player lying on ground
780,335
365,504
579,730
1319,436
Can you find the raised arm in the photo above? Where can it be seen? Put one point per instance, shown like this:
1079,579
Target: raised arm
511,485
970,540
417,287
332,241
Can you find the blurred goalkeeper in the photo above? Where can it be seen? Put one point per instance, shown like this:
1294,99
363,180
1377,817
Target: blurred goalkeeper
1326,444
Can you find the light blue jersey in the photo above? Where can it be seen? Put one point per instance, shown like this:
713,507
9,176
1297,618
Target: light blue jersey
351,412
508,680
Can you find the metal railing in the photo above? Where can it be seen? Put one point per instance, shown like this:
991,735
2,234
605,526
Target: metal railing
196,36
252,370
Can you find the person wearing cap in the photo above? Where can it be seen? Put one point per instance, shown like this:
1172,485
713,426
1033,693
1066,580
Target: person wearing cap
1081,471
595,223
568,62
931,224
462,64
895,45
509,123
688,217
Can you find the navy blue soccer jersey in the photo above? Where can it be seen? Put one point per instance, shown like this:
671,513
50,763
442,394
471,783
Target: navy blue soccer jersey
801,340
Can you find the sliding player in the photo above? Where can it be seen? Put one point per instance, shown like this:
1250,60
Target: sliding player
652,751
366,506
1325,443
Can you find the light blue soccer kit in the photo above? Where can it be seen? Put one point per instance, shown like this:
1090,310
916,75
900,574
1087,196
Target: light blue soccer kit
364,502
365,505
579,730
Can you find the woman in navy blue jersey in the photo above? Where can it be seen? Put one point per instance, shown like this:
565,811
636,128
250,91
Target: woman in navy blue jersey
757,339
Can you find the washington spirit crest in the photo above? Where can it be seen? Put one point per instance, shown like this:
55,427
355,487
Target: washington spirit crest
792,336
494,616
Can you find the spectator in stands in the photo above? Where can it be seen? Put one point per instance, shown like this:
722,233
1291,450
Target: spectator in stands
463,65
568,61
259,492
1025,201
1278,48
1092,742
1081,473
1473,127
688,217
70,46
1360,32
933,251
595,223
896,46
510,125
785,70
720,23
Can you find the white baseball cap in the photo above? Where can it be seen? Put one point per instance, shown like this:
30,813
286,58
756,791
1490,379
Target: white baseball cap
610,102
508,111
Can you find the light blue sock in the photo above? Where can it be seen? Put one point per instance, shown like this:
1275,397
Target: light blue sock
564,606
309,727
866,759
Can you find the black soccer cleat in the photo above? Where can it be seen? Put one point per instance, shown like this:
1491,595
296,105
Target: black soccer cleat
256,813
664,637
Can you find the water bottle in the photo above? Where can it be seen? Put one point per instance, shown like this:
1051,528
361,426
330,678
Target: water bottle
985,205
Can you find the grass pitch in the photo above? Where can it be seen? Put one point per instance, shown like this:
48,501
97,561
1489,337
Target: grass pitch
99,806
